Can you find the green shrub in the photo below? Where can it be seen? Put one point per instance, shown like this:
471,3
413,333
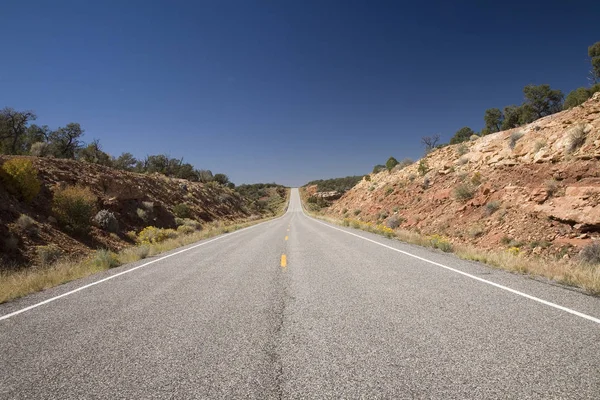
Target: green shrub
46,255
439,242
367,178
552,187
576,138
356,212
394,222
462,149
423,167
107,221
540,144
591,253
74,207
389,191
182,210
185,229
151,234
492,207
514,138
20,177
104,259
26,223
464,191
476,178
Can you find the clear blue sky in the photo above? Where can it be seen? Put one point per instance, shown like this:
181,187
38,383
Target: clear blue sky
285,91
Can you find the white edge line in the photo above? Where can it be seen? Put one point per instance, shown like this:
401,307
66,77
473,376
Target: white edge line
528,296
41,303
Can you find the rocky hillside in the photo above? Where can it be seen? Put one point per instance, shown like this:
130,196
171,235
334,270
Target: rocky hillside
536,187
136,200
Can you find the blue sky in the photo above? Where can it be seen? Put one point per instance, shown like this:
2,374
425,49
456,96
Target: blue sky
285,91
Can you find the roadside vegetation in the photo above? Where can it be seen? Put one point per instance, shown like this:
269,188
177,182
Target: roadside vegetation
54,268
583,272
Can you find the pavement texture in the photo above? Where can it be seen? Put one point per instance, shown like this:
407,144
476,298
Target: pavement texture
344,318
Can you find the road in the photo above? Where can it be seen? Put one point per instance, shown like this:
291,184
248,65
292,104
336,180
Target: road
345,314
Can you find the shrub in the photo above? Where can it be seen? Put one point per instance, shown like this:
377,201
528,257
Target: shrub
394,222
11,243
20,177
462,149
514,250
474,138
47,255
188,222
540,144
142,214
74,207
514,138
185,229
439,242
131,235
476,230
464,191
389,191
552,187
25,222
492,207
151,234
576,138
591,253
426,182
423,167
356,212
367,178
182,210
476,178
104,259
148,206
462,161
107,221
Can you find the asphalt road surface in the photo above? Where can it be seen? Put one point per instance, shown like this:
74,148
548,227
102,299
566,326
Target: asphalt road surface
296,308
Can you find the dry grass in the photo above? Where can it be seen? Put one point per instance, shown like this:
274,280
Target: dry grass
576,273
14,284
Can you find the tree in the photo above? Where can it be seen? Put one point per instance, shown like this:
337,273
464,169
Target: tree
493,121
378,168
576,97
512,117
221,178
65,141
540,101
13,129
462,135
430,142
93,153
126,162
204,175
594,53
391,163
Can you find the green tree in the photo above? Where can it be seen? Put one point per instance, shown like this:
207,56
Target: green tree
13,130
378,168
576,97
65,141
493,121
462,135
594,54
512,117
540,101
391,163
93,153
126,162
221,178
204,175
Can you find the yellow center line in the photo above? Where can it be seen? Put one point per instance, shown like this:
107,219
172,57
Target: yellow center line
283,261
286,238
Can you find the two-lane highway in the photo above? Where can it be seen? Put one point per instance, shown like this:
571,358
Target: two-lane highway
296,308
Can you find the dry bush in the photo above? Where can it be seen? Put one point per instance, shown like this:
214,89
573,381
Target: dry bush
74,207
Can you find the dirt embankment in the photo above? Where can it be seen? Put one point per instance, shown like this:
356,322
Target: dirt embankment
137,201
536,188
